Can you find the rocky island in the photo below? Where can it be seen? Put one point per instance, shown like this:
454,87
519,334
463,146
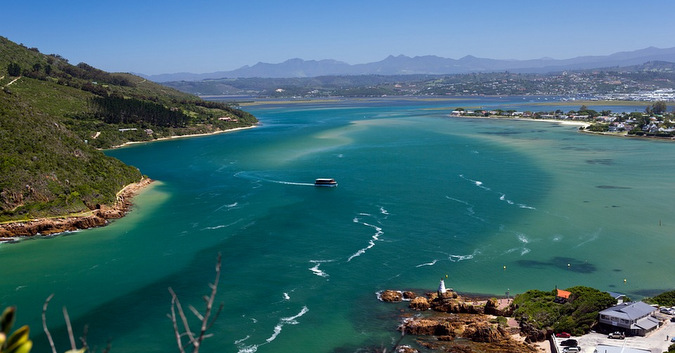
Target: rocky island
446,321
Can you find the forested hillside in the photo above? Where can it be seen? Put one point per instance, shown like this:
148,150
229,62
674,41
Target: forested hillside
54,117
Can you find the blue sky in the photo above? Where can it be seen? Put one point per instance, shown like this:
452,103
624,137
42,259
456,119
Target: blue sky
200,36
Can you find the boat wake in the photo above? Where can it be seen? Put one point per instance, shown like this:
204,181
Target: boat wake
251,176
290,183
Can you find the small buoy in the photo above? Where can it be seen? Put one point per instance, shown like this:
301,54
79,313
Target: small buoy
568,265
446,276
505,267
624,280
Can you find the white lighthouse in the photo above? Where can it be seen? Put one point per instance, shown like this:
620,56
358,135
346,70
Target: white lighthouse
441,287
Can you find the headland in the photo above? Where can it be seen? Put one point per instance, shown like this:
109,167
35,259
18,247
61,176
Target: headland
94,218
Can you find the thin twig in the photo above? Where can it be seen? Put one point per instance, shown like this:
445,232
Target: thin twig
206,324
44,322
83,339
183,318
175,322
70,329
209,304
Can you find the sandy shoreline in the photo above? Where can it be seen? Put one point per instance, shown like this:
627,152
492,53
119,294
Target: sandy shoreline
12,231
187,136
561,122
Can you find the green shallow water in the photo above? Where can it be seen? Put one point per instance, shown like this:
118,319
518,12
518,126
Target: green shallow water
495,205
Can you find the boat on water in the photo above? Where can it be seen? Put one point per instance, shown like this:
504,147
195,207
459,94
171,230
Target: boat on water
329,182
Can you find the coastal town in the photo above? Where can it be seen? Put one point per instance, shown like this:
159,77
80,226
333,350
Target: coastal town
654,121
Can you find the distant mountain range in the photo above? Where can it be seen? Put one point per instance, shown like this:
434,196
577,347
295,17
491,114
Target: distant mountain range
429,65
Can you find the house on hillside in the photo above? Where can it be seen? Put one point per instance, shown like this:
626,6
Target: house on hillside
620,298
562,296
632,318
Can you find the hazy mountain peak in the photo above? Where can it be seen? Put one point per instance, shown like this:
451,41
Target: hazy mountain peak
427,64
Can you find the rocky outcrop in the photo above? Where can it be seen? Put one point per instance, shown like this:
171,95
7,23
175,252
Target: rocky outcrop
456,306
532,334
428,327
463,333
391,296
485,332
462,325
95,218
420,303
406,349
408,295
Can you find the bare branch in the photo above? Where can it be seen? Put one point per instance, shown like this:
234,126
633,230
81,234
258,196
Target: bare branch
83,339
175,322
70,329
194,311
215,317
181,313
206,324
209,304
44,322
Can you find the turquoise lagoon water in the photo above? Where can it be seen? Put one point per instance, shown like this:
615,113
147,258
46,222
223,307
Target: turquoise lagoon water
496,206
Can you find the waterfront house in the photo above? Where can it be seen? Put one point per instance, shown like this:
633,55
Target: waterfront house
632,318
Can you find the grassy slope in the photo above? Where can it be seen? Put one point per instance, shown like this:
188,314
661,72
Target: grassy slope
49,162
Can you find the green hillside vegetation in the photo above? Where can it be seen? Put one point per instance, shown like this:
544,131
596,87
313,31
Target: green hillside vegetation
576,316
663,299
54,118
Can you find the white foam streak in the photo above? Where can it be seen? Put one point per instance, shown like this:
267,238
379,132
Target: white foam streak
523,239
277,330
428,263
286,296
384,211
458,258
502,196
316,270
232,205
238,342
286,321
248,349
478,183
371,242
223,225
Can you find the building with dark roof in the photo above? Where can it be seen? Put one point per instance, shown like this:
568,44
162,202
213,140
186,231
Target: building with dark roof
633,318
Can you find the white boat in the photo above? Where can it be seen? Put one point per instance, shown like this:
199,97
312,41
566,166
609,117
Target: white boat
326,182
